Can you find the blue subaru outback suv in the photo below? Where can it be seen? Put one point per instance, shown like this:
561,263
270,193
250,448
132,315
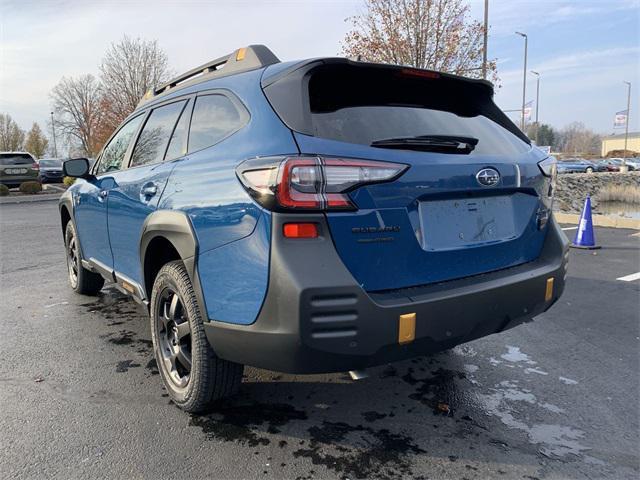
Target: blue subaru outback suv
314,216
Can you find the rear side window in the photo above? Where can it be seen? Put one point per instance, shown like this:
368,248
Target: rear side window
15,159
113,154
155,134
214,118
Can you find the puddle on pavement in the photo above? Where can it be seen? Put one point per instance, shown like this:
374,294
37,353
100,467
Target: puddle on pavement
243,423
119,310
620,209
360,452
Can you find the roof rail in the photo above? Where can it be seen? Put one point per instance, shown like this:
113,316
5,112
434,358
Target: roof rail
241,60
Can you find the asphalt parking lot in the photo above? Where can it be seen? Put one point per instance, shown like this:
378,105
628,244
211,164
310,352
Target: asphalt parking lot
80,395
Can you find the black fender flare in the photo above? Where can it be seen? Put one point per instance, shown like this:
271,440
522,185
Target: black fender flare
175,227
66,201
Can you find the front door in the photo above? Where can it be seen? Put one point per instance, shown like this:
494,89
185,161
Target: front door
90,209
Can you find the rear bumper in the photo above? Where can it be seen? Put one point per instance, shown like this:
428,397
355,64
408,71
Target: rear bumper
316,318
18,179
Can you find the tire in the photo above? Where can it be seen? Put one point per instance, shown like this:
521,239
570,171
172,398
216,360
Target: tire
191,372
81,280
589,170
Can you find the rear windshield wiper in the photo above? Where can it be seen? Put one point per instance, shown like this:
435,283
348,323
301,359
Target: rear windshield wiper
430,143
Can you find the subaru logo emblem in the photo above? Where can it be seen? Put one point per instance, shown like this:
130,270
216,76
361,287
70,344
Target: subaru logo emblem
488,177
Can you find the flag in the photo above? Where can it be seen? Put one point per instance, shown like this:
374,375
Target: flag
620,119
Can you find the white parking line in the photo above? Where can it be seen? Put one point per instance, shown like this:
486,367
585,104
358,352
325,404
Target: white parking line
569,228
630,278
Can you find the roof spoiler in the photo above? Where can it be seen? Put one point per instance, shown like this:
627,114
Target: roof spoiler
241,60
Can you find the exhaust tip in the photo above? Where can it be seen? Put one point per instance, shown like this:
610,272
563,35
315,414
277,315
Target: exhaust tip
358,374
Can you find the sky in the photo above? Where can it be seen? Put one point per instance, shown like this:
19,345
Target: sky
583,49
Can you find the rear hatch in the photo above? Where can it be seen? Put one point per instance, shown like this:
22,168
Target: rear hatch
473,198
16,166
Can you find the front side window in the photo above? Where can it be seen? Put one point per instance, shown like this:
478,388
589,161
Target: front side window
114,152
214,117
155,135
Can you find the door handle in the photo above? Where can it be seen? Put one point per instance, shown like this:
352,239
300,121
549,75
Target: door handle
149,190
103,194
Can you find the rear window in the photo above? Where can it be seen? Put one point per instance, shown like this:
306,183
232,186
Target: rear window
15,159
363,105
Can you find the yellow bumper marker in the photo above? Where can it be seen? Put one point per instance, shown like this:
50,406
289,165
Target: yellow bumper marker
548,294
240,54
407,328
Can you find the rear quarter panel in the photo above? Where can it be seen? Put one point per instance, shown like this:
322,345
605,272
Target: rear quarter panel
233,255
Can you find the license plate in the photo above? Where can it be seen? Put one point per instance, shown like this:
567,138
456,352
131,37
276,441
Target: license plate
451,224
15,171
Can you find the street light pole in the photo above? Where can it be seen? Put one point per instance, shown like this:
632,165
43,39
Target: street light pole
537,101
626,127
486,31
53,129
524,79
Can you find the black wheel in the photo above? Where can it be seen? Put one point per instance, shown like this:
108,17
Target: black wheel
192,374
81,280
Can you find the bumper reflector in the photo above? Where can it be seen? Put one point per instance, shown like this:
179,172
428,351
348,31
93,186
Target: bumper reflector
300,230
406,328
548,294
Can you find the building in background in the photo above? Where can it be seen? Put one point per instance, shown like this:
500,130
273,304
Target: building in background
616,142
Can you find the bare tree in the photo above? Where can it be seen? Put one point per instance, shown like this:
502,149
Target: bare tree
431,34
78,103
11,135
576,139
36,143
128,70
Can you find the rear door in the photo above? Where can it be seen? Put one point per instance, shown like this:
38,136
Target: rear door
161,142
470,199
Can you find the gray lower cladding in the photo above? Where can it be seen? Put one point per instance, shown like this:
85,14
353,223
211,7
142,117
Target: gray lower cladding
317,319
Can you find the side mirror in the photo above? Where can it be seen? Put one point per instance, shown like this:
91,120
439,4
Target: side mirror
76,167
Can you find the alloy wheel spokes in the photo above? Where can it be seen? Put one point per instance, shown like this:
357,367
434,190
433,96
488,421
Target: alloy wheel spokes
174,334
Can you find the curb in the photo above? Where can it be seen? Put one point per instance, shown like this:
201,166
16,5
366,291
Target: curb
600,220
45,197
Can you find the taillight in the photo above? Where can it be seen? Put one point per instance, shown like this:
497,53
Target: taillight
311,183
549,169
35,166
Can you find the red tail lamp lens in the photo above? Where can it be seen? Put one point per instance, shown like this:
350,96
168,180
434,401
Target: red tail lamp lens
305,183
300,230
